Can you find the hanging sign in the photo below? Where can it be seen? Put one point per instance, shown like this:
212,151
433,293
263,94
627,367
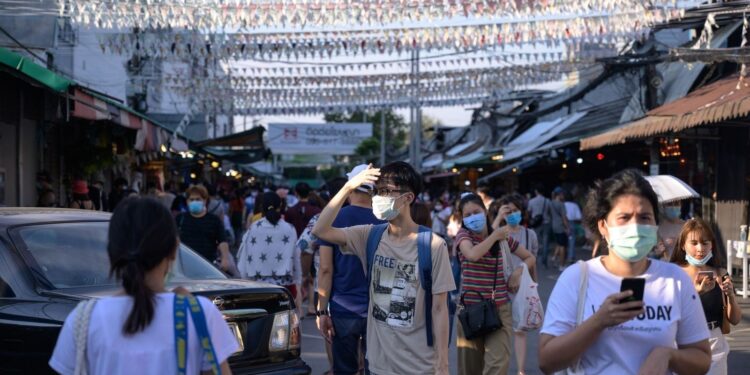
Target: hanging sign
329,139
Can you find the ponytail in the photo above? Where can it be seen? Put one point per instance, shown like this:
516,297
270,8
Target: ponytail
273,216
142,234
134,282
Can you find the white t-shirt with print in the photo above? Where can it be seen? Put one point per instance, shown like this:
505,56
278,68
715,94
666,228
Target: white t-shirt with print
674,315
151,351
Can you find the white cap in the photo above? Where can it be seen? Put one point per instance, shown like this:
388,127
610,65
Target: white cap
366,188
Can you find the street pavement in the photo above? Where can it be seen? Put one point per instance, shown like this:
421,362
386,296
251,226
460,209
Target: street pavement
313,348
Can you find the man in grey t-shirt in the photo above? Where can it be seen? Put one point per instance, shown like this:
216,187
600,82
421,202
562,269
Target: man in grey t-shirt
541,206
560,226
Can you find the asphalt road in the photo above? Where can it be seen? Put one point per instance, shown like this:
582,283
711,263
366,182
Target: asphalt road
313,345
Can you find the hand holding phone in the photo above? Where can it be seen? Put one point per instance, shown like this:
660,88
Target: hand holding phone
635,284
705,274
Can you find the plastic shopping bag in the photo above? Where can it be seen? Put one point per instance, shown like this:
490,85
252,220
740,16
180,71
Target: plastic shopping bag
528,313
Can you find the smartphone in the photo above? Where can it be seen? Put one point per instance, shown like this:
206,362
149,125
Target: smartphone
705,274
637,285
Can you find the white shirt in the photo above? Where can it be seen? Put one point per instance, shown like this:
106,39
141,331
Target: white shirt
572,211
674,316
151,351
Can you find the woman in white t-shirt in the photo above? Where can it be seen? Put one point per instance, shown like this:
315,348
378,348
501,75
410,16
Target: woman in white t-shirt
134,332
664,332
511,213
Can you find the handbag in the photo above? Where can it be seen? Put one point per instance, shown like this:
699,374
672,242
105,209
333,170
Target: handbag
481,318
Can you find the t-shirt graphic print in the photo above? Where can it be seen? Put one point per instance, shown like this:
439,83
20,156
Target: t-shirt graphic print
394,285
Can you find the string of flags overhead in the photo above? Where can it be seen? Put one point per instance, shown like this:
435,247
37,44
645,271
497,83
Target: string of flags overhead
285,56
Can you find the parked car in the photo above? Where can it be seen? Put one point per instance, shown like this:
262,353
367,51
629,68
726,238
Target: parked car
50,259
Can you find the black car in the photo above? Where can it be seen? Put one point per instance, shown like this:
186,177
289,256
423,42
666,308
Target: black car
50,259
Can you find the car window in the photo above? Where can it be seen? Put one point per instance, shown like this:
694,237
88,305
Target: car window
75,255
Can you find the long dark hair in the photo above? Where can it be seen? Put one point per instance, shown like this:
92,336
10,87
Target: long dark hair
142,233
704,233
272,207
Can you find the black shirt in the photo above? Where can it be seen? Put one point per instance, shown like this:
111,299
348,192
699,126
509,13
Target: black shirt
713,306
202,234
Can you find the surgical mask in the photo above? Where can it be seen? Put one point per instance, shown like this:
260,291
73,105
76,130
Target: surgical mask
195,207
698,262
476,222
513,219
672,212
384,207
438,207
632,242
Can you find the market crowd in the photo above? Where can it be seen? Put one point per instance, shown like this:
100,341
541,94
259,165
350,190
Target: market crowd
391,272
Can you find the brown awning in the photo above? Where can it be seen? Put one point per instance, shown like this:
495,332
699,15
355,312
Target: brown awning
249,139
722,100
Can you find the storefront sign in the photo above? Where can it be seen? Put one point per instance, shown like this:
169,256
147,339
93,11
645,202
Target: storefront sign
329,139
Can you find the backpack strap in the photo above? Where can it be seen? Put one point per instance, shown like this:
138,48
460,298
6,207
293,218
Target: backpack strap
373,240
182,306
81,334
424,257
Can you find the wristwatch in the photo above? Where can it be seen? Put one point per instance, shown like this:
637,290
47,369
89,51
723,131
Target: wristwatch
322,312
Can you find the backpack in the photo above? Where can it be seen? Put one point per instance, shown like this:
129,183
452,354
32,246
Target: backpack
424,258
538,219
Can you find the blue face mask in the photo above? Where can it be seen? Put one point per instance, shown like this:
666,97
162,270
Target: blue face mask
195,207
513,219
476,222
698,262
672,212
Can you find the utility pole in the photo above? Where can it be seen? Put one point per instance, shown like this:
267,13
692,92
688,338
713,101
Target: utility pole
415,115
382,137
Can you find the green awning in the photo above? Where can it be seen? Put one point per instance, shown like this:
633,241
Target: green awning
30,69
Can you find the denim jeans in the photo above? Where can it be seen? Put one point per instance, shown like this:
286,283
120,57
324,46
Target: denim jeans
345,345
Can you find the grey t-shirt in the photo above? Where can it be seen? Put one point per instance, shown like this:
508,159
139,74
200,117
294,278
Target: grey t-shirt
396,338
539,204
558,213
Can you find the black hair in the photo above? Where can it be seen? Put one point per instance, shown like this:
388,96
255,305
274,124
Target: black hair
272,207
335,185
485,189
539,188
302,189
476,199
119,181
402,175
514,199
142,233
81,197
602,197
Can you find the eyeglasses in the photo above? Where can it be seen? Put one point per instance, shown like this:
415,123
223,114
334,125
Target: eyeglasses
384,192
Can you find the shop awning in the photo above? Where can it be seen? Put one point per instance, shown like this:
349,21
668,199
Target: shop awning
509,168
23,66
90,105
537,135
249,139
722,100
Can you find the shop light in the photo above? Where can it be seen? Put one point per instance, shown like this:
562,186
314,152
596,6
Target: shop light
214,164
480,170
600,156
467,183
454,170
193,176
497,157
579,161
233,173
645,164
564,166
163,148
515,170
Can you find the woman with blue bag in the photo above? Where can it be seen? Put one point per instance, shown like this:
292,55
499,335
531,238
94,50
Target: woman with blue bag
144,329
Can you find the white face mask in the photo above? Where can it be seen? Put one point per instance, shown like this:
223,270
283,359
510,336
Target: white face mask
384,207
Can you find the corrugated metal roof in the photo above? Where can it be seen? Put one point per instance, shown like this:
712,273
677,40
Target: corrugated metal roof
726,99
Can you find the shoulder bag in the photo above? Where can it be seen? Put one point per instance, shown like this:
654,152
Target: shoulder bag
576,368
538,219
481,318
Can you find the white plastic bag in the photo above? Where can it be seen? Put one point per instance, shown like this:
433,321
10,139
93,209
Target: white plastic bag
528,313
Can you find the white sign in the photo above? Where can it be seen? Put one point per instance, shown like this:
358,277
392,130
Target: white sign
329,139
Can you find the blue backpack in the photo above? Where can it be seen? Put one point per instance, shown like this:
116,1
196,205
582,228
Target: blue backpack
424,257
